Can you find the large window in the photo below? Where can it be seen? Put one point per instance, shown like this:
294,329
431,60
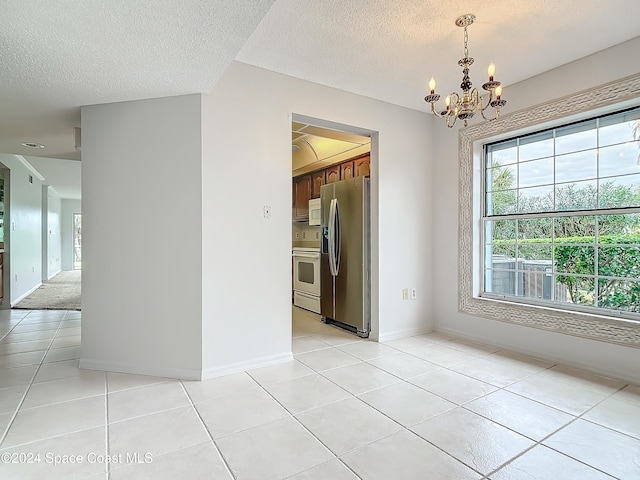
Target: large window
561,216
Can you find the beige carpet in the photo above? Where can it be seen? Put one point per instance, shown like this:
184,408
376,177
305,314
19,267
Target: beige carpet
62,292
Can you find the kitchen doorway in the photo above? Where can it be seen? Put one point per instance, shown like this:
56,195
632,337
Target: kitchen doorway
323,153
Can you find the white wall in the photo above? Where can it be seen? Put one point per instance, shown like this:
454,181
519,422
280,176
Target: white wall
606,358
25,240
69,208
51,233
247,164
141,204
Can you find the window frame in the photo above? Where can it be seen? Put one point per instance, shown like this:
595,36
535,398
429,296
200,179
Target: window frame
601,100
551,214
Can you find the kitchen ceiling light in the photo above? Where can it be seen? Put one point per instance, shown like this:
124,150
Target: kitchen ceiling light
464,106
32,145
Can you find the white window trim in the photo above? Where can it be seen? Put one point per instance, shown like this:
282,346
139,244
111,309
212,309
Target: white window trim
471,140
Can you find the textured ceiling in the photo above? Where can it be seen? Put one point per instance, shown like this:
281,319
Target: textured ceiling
59,55
56,56
390,49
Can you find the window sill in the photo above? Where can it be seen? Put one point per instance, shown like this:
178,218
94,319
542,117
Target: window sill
610,329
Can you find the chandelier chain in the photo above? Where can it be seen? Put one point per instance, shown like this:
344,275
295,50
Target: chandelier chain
466,39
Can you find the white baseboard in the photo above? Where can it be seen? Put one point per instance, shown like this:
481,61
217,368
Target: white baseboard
403,333
167,372
22,297
631,374
53,275
184,374
247,365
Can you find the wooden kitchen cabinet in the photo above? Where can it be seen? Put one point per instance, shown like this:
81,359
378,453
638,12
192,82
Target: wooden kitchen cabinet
346,170
332,174
317,180
301,196
306,187
361,166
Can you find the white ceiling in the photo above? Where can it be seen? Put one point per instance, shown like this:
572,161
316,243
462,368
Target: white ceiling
63,175
58,56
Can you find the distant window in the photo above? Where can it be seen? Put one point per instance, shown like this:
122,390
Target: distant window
561,216
77,241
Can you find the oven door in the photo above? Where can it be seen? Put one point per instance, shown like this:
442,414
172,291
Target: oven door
306,272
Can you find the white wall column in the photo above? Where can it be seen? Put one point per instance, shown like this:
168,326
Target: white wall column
141,279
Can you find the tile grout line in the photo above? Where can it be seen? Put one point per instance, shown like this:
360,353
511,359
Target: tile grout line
418,386
408,429
373,407
24,396
503,388
385,415
540,442
308,431
579,417
206,429
12,328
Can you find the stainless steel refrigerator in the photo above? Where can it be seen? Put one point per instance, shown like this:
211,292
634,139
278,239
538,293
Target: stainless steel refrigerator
345,280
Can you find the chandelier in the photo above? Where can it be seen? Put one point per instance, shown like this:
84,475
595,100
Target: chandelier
464,106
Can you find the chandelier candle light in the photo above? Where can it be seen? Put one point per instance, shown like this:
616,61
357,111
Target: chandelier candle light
464,106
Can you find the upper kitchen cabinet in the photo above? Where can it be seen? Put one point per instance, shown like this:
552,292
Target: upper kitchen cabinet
301,196
332,174
317,180
346,170
361,166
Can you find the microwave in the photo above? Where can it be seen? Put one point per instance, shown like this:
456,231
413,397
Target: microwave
314,211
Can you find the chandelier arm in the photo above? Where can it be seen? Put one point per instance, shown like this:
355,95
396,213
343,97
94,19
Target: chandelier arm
476,99
489,119
497,110
454,120
455,99
434,111
490,99
479,102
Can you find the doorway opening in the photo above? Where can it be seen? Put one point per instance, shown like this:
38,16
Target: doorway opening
325,153
77,241
5,284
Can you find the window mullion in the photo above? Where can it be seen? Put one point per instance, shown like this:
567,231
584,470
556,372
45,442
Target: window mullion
572,258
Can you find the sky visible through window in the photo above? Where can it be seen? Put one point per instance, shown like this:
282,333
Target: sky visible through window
584,154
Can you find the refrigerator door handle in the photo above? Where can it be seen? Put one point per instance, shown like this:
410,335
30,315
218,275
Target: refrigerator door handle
332,237
338,238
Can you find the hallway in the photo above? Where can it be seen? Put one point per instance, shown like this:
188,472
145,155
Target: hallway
62,292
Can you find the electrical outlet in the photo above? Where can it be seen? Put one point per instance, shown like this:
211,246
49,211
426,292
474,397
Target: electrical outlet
413,294
304,234
297,234
405,294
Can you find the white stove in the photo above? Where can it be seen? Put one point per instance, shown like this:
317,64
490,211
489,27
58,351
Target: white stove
306,278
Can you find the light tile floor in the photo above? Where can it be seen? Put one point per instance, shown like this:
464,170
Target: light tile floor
425,407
